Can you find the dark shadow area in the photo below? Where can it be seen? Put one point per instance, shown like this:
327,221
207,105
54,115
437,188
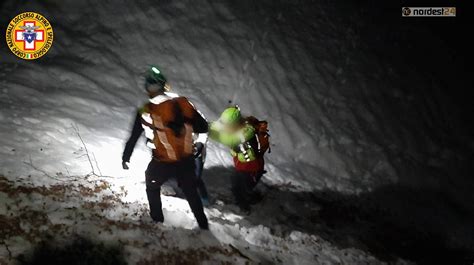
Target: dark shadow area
80,251
419,224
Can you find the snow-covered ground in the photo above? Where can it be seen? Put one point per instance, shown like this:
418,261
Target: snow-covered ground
345,130
212,54
94,209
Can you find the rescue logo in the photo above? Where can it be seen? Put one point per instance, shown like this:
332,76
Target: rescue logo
29,35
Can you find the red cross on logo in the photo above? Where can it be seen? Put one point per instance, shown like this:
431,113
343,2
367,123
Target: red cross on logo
29,45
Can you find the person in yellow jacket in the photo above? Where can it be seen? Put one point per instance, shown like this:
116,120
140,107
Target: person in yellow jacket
248,140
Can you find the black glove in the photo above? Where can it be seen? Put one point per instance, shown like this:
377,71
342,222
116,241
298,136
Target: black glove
124,165
198,147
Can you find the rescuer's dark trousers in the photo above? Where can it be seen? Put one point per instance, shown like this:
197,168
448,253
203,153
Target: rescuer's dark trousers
158,173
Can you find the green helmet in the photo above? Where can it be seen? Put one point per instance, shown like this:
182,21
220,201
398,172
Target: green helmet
231,115
155,76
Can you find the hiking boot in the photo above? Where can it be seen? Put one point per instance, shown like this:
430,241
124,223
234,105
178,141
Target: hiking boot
157,218
204,226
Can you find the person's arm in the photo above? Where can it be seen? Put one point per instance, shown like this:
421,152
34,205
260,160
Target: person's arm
214,131
201,128
200,125
246,152
132,141
193,116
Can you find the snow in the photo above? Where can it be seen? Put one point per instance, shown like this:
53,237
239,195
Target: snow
95,209
313,82
210,55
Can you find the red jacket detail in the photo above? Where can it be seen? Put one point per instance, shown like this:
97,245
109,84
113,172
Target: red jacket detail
253,167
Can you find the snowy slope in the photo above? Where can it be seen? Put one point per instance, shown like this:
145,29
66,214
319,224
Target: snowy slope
340,114
212,53
335,109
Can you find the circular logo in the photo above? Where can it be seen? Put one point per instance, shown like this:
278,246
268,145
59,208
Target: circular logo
406,11
29,35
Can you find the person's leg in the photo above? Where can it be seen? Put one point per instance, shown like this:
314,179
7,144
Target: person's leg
199,163
252,195
156,174
187,179
253,180
239,190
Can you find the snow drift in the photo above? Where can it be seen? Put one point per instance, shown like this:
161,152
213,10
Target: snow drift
343,115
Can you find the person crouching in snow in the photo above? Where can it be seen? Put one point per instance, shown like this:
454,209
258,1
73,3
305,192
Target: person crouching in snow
248,140
169,122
